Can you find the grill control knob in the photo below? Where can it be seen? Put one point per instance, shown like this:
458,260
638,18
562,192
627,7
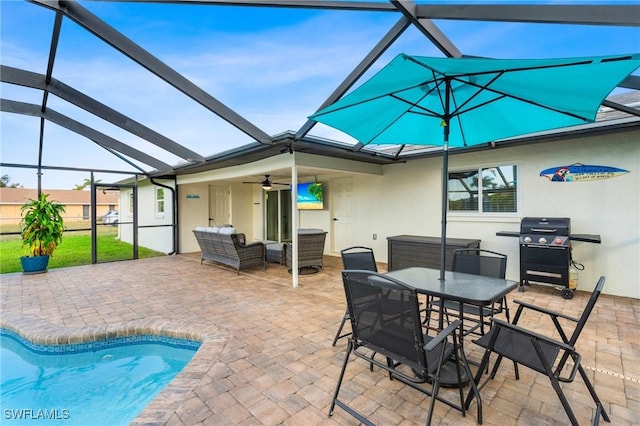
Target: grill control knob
558,241
542,240
527,240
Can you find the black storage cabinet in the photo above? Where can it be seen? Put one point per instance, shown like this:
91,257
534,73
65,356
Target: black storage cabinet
405,251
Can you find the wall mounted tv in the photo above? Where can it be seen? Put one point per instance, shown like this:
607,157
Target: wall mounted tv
310,196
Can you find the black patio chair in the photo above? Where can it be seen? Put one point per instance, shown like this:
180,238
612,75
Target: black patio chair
356,257
411,357
478,262
541,353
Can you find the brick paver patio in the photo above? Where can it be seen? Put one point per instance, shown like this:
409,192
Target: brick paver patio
267,357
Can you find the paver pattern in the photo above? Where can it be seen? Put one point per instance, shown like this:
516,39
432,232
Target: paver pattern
267,358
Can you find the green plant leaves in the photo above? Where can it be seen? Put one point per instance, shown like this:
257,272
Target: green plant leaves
42,226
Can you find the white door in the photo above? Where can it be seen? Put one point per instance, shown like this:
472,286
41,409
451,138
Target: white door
342,219
219,205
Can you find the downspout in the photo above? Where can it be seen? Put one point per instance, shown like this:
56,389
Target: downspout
174,212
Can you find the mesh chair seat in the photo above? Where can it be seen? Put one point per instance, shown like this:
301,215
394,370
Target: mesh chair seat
519,347
541,353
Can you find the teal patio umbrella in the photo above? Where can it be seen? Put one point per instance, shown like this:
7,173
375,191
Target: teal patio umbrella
461,102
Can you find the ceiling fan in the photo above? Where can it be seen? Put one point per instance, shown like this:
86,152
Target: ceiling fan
267,184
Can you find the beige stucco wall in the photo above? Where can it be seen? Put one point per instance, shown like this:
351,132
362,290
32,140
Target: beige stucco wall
193,210
405,199
154,230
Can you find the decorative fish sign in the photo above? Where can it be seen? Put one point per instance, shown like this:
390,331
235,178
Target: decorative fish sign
579,172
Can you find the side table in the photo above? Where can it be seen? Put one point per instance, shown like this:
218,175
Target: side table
274,252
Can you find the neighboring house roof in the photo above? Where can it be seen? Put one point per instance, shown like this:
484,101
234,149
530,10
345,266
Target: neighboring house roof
64,196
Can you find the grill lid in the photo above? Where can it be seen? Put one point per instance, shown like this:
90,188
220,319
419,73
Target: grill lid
546,226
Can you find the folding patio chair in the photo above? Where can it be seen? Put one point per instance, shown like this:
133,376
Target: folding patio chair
411,357
356,257
541,353
478,262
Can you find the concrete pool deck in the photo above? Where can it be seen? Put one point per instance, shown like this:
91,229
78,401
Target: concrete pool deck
267,358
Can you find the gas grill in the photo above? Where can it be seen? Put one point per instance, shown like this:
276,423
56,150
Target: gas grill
545,251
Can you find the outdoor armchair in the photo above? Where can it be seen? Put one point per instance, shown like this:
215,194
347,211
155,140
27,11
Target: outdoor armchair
540,353
413,358
356,257
310,249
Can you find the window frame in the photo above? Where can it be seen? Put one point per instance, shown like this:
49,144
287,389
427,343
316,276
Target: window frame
130,201
159,203
479,211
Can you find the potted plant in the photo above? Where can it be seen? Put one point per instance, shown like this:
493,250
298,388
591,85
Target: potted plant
42,227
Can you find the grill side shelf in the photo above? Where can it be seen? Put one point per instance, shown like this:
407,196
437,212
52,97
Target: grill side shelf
585,238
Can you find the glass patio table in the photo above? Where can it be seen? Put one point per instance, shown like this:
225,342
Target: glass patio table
459,287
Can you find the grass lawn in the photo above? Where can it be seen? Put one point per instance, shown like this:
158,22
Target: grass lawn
74,250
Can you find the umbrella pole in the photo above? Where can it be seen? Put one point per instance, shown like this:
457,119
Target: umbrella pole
445,197
445,177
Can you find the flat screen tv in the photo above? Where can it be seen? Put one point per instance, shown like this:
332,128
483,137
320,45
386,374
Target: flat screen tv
310,196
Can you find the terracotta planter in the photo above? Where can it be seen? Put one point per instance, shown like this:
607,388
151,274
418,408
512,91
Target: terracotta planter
34,264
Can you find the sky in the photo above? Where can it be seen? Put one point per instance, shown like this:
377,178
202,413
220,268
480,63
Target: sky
273,66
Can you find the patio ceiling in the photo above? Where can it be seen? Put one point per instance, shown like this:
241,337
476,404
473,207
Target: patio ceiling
116,140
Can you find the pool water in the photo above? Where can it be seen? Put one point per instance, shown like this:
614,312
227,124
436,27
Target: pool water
103,383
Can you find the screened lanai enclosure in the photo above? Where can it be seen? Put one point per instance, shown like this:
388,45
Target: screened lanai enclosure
123,91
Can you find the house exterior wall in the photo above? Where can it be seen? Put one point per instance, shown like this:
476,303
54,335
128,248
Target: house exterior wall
193,210
154,229
406,199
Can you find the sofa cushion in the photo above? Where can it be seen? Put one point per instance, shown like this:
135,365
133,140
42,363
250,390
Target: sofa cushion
213,229
200,228
227,230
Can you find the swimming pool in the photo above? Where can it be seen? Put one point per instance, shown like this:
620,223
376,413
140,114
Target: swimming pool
100,383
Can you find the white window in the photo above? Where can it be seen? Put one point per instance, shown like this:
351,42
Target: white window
484,190
130,203
159,202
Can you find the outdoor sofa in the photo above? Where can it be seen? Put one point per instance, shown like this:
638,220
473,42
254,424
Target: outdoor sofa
225,245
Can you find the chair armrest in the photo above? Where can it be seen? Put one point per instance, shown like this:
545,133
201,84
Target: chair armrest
442,336
256,243
242,238
500,323
543,310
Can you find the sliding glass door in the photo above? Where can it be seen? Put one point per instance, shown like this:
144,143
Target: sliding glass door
278,215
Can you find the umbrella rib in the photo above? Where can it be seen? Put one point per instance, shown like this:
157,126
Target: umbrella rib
425,111
500,73
393,94
537,67
521,99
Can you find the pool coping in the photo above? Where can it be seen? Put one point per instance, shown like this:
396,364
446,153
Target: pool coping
165,405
